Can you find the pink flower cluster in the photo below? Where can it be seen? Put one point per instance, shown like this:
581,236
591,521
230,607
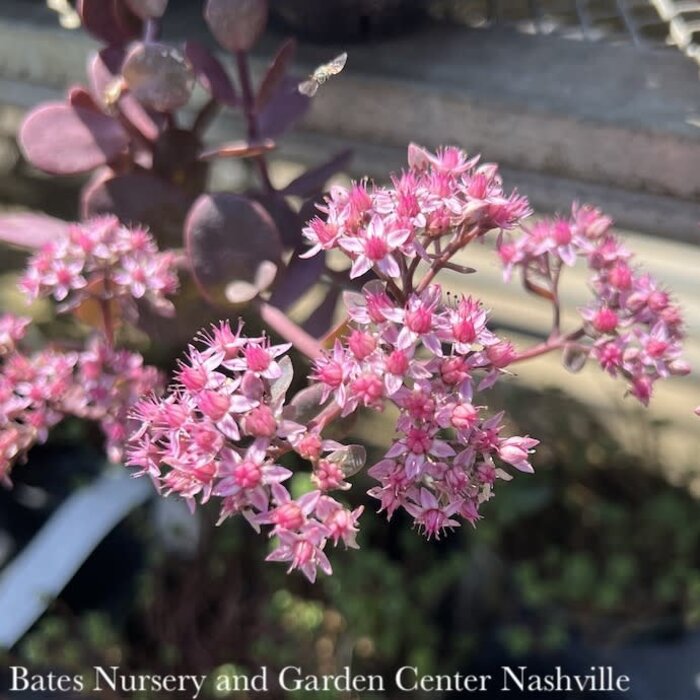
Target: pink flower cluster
38,390
224,428
439,197
102,258
633,327
427,358
220,432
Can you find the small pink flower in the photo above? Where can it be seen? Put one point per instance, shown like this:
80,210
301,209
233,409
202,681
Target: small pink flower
375,247
304,551
329,476
321,234
430,516
516,452
605,320
103,259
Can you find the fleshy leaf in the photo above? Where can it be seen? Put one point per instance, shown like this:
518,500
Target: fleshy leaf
313,180
29,230
147,122
309,209
574,358
230,240
210,73
284,108
139,198
321,319
287,220
103,69
159,76
147,9
109,20
236,24
65,140
350,459
241,292
78,96
275,72
280,386
307,403
105,78
239,149
176,159
537,288
299,276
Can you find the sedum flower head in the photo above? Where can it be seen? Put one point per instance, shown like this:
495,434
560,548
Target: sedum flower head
437,197
429,358
39,389
218,434
104,259
632,326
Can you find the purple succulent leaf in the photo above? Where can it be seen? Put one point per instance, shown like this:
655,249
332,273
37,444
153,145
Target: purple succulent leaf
159,76
275,72
284,108
309,209
236,24
312,181
139,198
306,403
78,96
299,276
321,319
29,230
103,69
110,21
66,140
233,246
239,149
211,73
148,123
287,220
176,159
147,9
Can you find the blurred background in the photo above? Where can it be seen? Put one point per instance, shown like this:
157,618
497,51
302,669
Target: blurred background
595,558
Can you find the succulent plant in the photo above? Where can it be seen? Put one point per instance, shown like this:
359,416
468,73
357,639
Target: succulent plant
126,129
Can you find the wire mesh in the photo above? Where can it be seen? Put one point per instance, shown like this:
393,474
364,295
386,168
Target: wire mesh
645,23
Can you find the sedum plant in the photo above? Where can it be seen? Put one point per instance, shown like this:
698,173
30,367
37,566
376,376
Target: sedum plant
228,428
133,131
224,426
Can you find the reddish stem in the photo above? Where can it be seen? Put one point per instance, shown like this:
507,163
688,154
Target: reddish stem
290,331
540,349
328,414
458,243
205,116
251,115
151,30
107,322
556,342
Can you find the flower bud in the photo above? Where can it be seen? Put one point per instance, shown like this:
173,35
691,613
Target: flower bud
260,422
605,320
464,416
501,354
